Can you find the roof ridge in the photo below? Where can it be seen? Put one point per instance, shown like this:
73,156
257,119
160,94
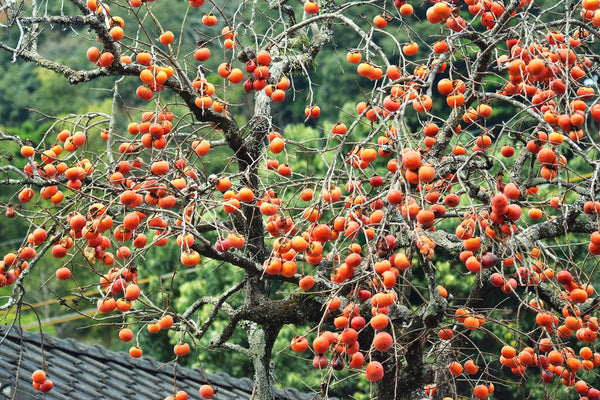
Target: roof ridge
72,346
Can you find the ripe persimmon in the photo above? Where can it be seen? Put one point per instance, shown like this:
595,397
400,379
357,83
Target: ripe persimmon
353,57
268,209
126,334
263,57
203,102
383,341
116,32
165,322
39,236
299,344
278,96
410,49
306,283
135,352
289,269
320,344
422,103
425,218
132,292
544,319
153,328
511,191
380,21
93,54
472,244
202,54
349,336
283,83
481,392
27,151
578,295
38,376
223,184
411,159
382,300
395,196
189,258
455,368
374,371
312,111
229,44
160,167
181,395
63,273
508,351
426,173
555,358
26,195
446,334
321,233
357,360
181,349
470,367
379,321
406,10
207,391
46,386
166,37
106,305
144,93
471,323
106,59
209,19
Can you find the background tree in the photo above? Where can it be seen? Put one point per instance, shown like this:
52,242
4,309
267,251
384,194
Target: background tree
380,236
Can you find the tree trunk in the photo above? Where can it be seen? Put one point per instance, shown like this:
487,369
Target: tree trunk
390,389
261,342
406,377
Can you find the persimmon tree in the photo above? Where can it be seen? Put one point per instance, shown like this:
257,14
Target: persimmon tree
474,140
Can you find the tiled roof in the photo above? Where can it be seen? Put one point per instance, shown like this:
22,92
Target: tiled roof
84,372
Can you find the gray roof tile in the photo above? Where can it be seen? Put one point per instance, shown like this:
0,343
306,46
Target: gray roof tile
85,372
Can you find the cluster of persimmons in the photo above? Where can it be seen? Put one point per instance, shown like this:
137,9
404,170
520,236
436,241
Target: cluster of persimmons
149,198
